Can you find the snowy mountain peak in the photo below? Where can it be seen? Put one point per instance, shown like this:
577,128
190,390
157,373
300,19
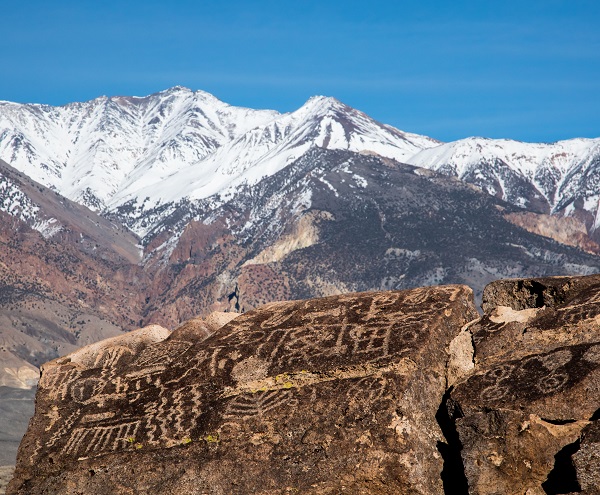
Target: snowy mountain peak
323,104
178,143
558,177
139,156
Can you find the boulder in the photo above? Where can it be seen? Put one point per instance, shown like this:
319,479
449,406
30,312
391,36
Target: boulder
325,396
534,388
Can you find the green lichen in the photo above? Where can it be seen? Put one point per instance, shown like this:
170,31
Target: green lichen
186,440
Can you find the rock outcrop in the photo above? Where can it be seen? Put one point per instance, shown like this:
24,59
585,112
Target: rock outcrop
404,392
325,396
527,414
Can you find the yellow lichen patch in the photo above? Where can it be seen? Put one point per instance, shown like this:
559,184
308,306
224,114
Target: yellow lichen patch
303,378
283,377
186,440
212,438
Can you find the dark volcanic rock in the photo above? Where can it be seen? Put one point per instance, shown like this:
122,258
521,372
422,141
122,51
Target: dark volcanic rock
586,459
325,396
534,388
534,293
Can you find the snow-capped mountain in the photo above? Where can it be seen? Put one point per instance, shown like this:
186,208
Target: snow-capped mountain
138,159
152,151
87,151
559,178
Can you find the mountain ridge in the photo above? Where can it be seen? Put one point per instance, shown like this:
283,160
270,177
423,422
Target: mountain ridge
142,150
134,158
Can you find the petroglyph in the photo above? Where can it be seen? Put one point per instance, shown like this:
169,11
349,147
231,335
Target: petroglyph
101,439
247,405
305,378
162,354
57,380
318,381
535,376
255,366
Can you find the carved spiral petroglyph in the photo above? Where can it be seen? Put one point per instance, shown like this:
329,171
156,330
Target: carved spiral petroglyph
536,376
552,383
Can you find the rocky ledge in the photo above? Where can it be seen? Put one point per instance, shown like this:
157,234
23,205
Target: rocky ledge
406,392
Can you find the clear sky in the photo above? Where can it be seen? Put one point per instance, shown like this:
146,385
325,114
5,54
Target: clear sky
521,69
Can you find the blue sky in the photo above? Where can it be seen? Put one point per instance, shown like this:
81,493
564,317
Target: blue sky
527,70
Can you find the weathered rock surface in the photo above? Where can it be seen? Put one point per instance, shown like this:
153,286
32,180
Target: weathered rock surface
534,394
6,473
368,393
325,396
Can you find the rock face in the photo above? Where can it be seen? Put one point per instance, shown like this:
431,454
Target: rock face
527,414
403,392
325,396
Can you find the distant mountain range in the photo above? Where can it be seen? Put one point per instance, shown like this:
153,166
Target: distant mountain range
123,211
137,157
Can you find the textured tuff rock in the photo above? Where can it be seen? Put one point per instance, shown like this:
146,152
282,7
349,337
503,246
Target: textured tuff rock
532,399
6,473
323,396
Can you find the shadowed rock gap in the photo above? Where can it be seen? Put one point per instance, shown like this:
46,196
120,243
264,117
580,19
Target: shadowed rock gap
563,477
542,294
453,474
596,415
558,422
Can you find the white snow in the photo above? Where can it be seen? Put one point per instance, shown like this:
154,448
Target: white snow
178,144
558,170
47,227
16,203
157,150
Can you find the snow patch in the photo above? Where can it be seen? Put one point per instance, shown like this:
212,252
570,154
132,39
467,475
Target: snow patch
47,227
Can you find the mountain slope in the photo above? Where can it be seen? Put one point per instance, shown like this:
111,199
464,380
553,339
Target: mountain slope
335,221
561,178
56,217
67,276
